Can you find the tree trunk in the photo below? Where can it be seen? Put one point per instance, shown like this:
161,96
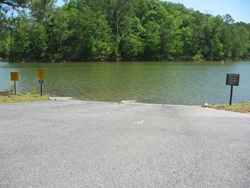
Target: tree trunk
117,26
28,41
60,37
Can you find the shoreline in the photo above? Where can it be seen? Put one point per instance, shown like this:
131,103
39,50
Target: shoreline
10,98
84,60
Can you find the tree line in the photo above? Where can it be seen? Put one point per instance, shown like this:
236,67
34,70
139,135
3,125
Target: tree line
84,30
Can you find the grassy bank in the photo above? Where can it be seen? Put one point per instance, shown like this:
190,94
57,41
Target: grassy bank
10,97
240,107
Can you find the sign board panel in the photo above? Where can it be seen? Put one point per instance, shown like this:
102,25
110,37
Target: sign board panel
41,81
233,79
41,74
14,76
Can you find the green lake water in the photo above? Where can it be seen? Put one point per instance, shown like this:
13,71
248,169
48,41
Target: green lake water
189,83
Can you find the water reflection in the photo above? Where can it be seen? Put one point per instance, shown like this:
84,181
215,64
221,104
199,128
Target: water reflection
191,83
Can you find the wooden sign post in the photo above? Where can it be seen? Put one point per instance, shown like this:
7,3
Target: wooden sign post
232,80
14,77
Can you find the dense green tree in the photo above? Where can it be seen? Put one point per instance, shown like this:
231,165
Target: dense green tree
132,41
4,37
240,41
83,30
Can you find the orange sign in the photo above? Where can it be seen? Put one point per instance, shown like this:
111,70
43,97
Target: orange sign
41,74
14,76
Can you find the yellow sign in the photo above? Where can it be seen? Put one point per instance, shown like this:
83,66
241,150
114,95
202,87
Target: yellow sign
41,74
14,76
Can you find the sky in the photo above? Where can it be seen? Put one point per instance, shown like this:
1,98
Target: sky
238,9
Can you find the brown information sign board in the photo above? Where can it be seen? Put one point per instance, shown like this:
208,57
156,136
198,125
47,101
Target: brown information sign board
41,74
233,79
14,76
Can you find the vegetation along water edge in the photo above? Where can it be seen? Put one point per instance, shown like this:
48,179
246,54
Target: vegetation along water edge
10,97
243,107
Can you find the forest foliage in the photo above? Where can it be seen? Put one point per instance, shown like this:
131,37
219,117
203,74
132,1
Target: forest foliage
84,30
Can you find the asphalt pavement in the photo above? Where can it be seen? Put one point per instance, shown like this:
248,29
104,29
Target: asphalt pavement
62,144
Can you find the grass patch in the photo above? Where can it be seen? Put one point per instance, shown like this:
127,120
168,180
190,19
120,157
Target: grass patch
10,97
240,107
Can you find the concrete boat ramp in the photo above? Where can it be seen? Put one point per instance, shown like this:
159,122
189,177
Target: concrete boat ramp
72,143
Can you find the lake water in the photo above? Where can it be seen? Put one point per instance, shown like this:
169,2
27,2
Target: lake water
189,83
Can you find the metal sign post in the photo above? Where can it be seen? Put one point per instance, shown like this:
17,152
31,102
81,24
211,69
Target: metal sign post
41,76
232,80
14,77
41,81
15,86
231,95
